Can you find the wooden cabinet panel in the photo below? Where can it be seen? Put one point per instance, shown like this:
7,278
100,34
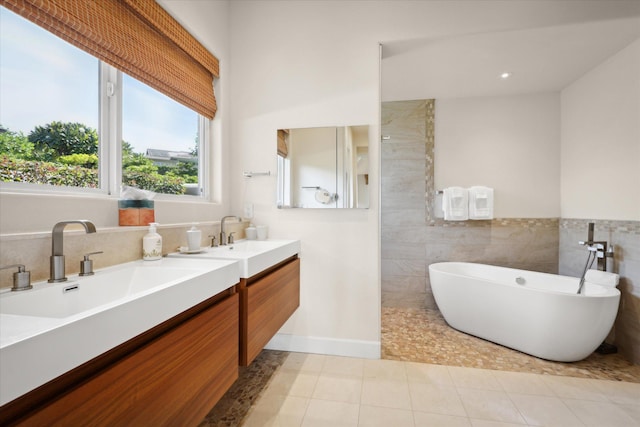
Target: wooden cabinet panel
173,380
267,304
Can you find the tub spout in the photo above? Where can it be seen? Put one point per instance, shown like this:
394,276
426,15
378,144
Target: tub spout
597,249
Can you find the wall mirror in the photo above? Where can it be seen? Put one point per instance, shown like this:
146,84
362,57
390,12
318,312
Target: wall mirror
323,167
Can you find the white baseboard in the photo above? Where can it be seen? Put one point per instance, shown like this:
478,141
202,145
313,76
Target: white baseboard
331,346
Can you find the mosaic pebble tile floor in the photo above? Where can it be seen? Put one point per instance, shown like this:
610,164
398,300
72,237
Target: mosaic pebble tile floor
233,407
423,336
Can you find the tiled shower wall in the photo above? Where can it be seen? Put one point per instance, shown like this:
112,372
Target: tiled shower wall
403,208
523,243
625,238
412,238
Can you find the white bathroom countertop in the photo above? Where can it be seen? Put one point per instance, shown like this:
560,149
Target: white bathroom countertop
254,256
35,349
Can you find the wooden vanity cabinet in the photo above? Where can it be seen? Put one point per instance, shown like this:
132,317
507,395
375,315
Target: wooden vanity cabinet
267,300
174,376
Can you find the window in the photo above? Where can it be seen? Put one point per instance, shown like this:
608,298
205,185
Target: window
55,134
49,108
160,141
284,186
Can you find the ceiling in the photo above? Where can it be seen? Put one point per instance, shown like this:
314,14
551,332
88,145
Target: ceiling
541,60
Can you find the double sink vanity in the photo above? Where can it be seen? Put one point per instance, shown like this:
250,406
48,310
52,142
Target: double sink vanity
145,342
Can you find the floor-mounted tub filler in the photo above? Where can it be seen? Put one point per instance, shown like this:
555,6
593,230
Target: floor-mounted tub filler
536,313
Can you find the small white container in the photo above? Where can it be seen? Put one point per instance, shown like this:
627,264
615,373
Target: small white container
262,232
152,244
251,233
194,238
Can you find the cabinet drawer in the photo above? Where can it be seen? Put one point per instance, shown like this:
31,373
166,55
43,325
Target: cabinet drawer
267,304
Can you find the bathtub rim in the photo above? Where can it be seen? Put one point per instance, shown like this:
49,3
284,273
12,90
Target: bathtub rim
608,292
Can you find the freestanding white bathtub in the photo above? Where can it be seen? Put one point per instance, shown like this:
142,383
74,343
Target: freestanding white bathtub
536,313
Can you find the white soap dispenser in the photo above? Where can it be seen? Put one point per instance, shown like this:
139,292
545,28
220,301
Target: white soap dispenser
194,238
152,244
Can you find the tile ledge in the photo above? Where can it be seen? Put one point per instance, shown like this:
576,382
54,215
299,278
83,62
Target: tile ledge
116,229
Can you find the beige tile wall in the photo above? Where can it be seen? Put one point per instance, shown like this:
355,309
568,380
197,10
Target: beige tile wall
403,210
523,243
412,238
119,244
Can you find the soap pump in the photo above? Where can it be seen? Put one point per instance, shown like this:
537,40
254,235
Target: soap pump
152,244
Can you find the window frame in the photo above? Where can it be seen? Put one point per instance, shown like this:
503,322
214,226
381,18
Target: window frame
110,150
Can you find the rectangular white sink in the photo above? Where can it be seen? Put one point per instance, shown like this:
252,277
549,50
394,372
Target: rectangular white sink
254,256
77,296
55,327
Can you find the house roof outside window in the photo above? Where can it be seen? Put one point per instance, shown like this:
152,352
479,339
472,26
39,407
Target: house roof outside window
170,157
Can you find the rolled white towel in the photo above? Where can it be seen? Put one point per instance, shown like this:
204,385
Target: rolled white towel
603,278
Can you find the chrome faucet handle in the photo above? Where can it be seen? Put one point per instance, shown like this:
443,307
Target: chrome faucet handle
610,251
231,237
593,244
86,265
214,244
21,278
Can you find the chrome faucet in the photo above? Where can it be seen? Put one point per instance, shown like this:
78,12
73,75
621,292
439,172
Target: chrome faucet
223,234
56,261
597,250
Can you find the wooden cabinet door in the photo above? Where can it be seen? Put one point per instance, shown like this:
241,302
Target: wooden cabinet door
269,302
173,380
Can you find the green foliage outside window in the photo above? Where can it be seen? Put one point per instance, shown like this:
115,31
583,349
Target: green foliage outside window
67,154
15,145
61,139
17,170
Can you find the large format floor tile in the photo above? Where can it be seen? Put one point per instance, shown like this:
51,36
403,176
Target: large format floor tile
396,393
431,375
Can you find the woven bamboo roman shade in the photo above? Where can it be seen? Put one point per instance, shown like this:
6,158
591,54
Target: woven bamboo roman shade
136,36
283,137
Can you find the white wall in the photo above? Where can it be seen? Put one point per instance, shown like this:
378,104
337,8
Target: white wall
600,154
298,65
509,143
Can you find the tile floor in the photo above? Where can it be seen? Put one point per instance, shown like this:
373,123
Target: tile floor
430,375
318,390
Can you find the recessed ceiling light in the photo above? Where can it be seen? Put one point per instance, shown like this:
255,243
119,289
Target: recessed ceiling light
505,75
